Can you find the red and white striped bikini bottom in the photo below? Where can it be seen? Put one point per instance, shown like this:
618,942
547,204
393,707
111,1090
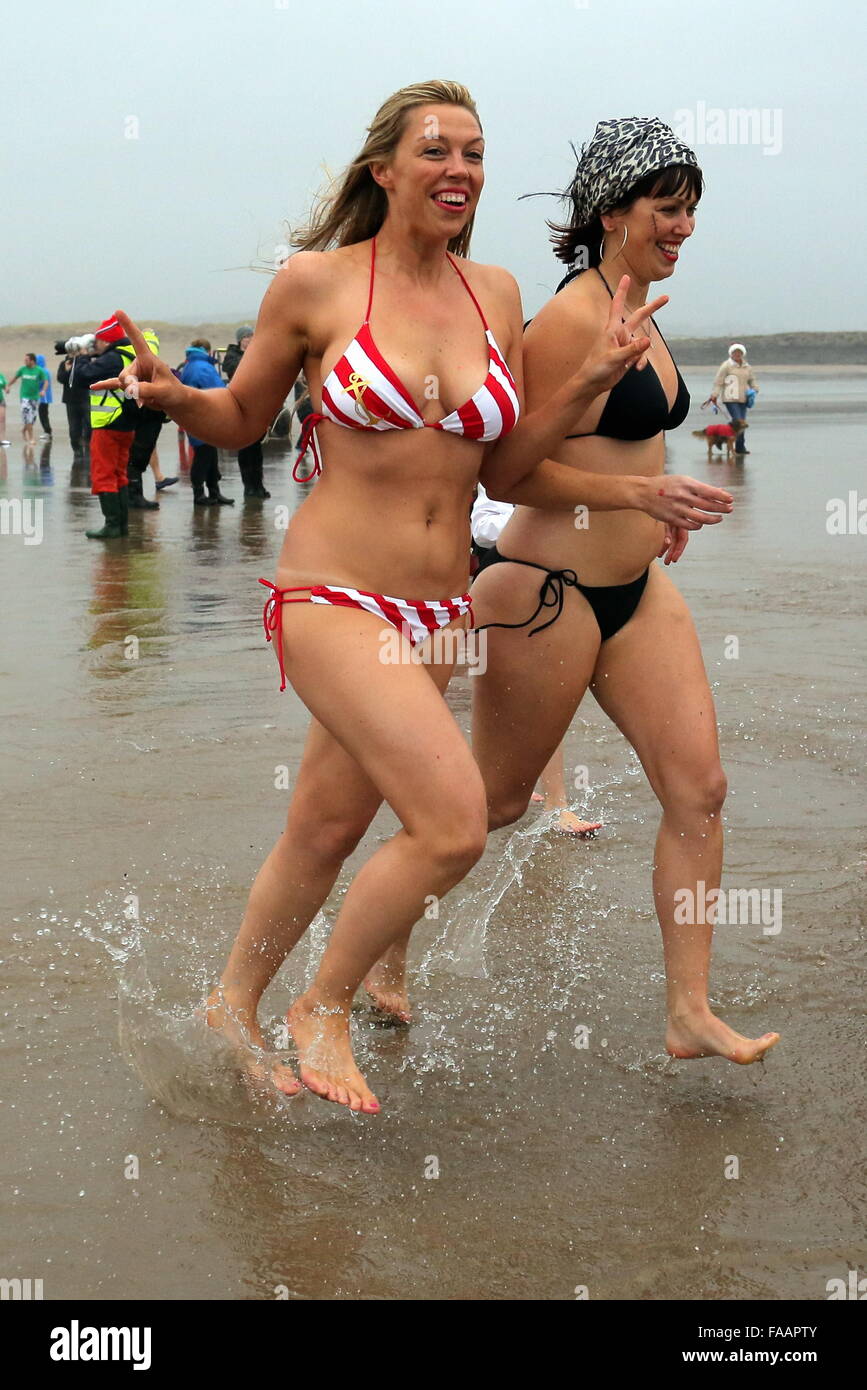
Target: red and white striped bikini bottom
414,619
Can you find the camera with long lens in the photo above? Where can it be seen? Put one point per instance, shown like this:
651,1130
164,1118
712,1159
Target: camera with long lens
83,342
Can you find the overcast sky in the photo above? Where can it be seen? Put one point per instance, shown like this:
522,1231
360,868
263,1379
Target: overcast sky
237,106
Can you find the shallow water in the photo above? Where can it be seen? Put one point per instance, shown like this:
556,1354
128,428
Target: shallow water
140,800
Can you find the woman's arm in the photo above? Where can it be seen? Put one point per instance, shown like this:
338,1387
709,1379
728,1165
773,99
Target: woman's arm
558,487
236,415
677,500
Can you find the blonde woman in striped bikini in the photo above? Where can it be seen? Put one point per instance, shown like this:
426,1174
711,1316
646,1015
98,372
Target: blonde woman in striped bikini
388,518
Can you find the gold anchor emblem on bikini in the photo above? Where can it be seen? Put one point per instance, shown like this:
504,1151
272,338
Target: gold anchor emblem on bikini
357,386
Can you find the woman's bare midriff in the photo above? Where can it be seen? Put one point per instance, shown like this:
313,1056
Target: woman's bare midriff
606,547
389,514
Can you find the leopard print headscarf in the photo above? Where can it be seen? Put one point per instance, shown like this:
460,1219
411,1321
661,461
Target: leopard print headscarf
621,152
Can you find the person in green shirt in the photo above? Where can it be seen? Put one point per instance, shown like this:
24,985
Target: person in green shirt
3,384
34,383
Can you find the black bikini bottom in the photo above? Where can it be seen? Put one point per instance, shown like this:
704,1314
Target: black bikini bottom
613,604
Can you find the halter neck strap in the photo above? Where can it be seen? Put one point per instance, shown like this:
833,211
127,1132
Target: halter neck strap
372,267
451,262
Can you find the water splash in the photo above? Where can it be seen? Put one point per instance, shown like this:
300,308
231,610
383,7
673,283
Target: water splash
460,946
192,1070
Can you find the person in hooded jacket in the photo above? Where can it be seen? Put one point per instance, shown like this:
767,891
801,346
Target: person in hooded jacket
46,399
249,458
235,351
200,371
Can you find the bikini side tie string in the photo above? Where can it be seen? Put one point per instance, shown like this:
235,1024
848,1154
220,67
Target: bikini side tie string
308,440
551,595
272,617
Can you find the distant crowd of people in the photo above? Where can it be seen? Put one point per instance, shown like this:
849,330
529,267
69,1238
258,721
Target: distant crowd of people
117,435
121,436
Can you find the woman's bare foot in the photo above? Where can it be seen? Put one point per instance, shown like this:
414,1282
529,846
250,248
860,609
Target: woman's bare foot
571,824
386,986
702,1034
327,1066
567,821
242,1030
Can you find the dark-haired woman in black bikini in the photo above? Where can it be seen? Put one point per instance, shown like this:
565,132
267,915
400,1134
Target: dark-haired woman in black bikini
624,630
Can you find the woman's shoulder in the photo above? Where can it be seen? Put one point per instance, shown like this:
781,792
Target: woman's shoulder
574,308
310,270
307,282
490,279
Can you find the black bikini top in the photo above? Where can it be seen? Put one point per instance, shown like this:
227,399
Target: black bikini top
637,407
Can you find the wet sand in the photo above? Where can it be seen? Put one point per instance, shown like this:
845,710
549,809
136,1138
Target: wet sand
140,800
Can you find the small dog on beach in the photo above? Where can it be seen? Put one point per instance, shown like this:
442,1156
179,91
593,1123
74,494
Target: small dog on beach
719,435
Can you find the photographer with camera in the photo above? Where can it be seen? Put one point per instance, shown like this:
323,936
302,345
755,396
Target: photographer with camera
76,398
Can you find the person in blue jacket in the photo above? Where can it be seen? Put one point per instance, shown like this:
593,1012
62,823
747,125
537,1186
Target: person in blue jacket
200,371
46,398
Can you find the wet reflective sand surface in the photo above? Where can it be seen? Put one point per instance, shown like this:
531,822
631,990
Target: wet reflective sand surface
510,1161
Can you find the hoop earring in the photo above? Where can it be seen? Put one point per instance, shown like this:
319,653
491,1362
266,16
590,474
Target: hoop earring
620,247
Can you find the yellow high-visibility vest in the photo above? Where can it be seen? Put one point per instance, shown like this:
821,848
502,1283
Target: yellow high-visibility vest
106,406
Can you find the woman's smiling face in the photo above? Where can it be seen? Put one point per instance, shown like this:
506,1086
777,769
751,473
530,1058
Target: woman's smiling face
656,228
436,175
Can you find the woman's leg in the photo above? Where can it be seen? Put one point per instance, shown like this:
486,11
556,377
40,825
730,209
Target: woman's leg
392,719
738,411
199,472
523,704
526,699
213,476
332,805
385,981
650,680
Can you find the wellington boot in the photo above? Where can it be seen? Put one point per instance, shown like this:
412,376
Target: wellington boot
137,499
111,531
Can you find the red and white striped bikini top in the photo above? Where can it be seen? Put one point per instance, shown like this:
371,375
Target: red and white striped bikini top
363,393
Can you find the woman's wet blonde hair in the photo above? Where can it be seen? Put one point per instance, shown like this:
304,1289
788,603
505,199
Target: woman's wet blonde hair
354,208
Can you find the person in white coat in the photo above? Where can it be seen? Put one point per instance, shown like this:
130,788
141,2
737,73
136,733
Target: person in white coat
734,378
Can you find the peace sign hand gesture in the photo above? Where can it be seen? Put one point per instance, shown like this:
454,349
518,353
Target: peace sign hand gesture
148,380
620,344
